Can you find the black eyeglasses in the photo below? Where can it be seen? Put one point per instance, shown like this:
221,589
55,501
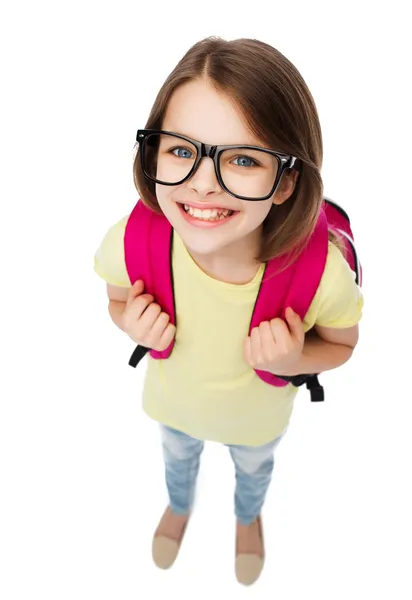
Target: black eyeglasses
245,172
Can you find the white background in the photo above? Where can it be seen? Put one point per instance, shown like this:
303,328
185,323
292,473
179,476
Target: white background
81,471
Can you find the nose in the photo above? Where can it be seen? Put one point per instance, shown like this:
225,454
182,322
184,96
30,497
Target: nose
204,181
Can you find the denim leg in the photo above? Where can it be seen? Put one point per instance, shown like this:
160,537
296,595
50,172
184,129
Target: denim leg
181,455
253,468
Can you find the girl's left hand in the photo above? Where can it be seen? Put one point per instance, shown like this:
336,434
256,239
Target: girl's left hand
276,346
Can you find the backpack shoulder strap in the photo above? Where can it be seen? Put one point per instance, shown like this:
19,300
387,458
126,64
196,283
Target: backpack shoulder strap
296,287
339,222
147,251
309,269
307,278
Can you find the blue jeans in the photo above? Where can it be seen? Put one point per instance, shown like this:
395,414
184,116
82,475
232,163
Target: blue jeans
253,469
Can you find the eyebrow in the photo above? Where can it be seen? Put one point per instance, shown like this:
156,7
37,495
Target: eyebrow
248,143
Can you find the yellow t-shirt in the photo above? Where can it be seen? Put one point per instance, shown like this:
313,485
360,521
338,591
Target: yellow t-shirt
205,388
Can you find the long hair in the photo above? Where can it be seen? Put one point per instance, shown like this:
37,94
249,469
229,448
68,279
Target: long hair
278,107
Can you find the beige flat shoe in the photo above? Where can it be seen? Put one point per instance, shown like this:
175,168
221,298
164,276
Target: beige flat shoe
165,549
248,567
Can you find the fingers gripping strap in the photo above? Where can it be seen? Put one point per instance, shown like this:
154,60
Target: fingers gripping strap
147,248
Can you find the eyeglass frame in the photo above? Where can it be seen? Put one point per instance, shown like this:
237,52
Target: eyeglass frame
286,161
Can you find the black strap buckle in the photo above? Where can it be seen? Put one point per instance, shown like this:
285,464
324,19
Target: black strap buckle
138,354
317,393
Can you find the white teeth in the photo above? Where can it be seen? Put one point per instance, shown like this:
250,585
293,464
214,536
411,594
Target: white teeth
207,214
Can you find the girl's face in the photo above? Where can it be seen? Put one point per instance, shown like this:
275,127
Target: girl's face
198,111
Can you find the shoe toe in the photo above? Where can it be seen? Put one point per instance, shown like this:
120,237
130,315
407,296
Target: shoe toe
248,568
164,551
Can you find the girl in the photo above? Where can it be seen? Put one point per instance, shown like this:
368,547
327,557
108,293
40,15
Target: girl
231,212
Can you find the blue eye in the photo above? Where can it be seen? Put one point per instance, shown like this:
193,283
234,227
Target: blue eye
182,152
244,161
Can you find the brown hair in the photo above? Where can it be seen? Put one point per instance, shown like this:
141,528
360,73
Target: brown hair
278,107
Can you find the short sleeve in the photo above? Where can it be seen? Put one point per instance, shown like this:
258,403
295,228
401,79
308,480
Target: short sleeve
338,302
109,261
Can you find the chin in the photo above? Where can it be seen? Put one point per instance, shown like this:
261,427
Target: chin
195,244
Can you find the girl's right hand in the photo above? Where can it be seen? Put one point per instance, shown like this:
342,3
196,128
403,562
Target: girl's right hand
144,322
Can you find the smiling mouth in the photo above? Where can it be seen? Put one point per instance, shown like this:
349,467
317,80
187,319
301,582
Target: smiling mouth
208,214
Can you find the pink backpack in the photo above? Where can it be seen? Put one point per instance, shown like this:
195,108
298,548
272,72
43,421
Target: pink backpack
147,249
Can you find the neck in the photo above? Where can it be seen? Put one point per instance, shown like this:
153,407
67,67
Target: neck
234,264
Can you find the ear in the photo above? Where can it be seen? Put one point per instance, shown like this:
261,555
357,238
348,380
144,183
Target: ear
286,186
